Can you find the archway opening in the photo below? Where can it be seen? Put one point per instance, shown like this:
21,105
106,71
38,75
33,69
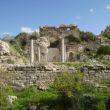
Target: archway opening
71,56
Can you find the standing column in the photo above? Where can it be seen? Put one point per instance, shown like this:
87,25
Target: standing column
32,51
63,50
39,54
65,53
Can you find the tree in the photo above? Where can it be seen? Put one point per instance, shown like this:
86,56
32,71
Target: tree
87,36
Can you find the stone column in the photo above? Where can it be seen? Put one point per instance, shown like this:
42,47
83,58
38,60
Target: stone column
65,53
32,51
39,57
63,50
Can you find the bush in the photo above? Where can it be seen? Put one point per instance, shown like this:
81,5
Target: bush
68,83
22,39
103,50
86,36
69,90
90,102
107,35
107,103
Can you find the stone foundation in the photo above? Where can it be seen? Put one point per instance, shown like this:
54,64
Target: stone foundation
42,77
24,76
96,73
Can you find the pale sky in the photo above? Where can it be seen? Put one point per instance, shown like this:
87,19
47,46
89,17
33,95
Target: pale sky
28,15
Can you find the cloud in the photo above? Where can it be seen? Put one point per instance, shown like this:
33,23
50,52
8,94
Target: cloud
7,33
77,17
108,7
26,29
91,10
37,30
29,30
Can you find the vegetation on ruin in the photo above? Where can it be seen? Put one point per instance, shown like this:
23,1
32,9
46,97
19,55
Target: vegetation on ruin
68,92
107,35
77,65
4,77
85,36
107,62
22,39
103,50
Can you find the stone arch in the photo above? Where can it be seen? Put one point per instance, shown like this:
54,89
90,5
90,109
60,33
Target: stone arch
71,56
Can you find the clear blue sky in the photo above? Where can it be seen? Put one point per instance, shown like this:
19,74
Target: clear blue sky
89,15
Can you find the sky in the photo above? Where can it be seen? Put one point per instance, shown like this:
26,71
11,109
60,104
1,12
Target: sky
27,15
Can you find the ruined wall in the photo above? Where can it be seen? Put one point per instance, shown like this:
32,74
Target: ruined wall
73,43
105,41
54,33
96,73
23,76
54,55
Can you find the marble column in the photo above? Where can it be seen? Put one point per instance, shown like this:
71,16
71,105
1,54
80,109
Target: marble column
63,50
65,53
39,57
32,51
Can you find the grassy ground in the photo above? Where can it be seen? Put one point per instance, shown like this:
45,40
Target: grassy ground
67,93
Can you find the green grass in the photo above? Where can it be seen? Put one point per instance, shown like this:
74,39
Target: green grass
76,65
107,62
30,95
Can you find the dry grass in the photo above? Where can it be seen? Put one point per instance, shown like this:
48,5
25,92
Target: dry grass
5,77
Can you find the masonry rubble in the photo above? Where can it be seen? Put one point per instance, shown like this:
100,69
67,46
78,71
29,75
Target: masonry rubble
11,98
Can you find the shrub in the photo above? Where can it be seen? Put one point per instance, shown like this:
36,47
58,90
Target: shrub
69,90
68,83
107,103
107,35
103,50
87,36
22,39
90,102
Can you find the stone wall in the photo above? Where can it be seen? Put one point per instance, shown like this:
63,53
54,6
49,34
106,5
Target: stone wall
27,75
54,33
23,76
54,55
96,73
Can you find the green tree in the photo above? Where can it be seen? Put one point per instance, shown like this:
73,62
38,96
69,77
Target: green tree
87,36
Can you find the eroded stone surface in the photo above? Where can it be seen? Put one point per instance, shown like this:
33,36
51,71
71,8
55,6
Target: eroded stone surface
43,75
96,72
40,76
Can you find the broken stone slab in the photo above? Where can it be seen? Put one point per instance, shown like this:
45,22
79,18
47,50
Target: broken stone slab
11,98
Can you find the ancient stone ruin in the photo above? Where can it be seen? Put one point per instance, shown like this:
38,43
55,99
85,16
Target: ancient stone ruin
59,44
